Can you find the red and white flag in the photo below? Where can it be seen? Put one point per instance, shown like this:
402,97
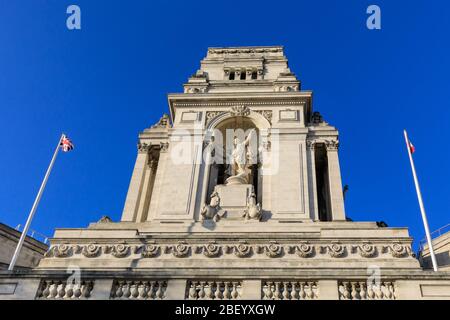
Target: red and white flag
411,147
66,144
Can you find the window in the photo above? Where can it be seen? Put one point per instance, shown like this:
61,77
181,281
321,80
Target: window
254,75
231,75
243,75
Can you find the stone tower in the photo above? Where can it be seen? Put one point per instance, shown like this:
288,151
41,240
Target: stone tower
237,194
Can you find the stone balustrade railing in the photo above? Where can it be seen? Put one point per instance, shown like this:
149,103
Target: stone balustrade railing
361,290
62,289
217,290
289,290
144,290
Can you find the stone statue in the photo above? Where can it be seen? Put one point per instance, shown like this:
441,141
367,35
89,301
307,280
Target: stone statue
253,210
211,210
240,158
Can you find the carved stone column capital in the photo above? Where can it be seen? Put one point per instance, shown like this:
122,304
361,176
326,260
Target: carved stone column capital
332,145
311,145
164,146
143,147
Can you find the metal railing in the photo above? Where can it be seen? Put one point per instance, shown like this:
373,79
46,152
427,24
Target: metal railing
436,233
34,234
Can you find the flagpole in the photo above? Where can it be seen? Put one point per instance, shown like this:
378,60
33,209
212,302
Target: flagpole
422,208
33,208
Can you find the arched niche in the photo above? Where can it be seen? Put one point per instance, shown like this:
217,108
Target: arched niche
241,124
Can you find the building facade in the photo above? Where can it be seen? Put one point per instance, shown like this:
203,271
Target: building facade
236,194
32,251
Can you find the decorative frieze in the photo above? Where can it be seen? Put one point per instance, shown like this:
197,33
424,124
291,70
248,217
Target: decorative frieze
138,290
214,290
289,290
361,290
64,290
241,249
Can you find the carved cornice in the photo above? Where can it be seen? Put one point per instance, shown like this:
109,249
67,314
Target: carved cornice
277,103
234,51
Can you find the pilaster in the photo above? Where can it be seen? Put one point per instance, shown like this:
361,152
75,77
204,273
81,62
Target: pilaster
136,184
335,182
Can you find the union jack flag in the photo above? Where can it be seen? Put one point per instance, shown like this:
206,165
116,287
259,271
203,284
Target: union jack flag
66,144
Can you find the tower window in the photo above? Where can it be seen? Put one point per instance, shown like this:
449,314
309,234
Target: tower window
243,75
254,75
231,75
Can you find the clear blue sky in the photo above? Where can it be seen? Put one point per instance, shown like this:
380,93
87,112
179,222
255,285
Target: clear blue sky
105,83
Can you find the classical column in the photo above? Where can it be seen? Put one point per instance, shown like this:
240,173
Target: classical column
208,148
136,183
312,182
335,181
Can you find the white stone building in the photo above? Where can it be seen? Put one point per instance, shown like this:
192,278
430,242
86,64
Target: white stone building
236,194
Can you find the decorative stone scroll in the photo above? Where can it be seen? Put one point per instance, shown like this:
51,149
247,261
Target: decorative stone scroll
91,250
305,250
